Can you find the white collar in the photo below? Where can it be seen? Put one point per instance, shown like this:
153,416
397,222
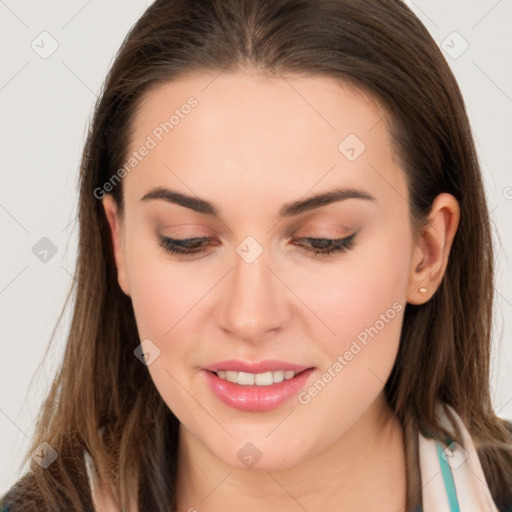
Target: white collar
452,478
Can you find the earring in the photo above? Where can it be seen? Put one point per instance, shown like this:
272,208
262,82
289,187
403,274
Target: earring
423,290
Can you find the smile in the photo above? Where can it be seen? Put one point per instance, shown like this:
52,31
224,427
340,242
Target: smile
258,392
256,379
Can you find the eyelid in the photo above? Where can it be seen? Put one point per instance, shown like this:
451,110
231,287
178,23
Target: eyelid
185,229
190,240
322,229
335,247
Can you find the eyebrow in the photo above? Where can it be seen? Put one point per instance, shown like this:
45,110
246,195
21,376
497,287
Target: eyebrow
288,209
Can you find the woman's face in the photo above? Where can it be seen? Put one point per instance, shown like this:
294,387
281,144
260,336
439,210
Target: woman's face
245,149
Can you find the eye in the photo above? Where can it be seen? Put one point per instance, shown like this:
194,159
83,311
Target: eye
188,246
197,245
327,246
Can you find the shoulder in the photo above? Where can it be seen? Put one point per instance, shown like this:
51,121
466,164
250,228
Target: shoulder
22,496
5,501
507,507
11,501
508,425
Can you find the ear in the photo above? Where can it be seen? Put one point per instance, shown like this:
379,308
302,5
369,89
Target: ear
116,230
431,250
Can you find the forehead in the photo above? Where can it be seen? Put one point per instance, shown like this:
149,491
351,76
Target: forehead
247,134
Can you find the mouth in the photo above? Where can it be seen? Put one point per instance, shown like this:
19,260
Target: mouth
256,392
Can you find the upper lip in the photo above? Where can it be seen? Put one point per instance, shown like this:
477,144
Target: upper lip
268,365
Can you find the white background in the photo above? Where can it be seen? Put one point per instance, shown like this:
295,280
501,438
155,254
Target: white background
45,108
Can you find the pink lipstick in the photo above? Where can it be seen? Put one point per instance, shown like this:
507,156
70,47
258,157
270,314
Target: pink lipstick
256,386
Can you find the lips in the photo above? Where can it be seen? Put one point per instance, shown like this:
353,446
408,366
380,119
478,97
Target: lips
269,365
256,398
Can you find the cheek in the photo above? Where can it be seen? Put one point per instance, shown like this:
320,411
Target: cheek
363,283
363,303
154,299
163,298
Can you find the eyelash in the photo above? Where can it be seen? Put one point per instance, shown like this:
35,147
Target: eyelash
334,246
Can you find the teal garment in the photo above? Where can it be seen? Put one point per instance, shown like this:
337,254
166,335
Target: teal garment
446,472
449,485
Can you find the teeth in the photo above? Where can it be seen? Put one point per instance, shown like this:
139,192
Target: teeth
256,379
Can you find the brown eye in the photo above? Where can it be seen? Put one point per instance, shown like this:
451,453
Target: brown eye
328,246
185,247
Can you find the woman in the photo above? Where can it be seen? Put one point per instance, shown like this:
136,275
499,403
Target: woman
285,275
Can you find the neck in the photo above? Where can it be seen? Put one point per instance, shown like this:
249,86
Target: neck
364,469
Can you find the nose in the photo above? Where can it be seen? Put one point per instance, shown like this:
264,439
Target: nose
256,302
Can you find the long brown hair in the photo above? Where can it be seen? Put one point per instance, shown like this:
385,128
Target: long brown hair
103,399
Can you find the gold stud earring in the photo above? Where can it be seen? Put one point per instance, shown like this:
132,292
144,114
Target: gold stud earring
423,290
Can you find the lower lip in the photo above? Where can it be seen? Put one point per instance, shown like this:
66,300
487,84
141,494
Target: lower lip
256,398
